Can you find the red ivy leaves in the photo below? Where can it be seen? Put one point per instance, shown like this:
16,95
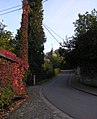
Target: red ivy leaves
9,55
12,70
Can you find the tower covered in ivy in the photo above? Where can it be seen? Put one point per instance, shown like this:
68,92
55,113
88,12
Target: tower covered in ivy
24,32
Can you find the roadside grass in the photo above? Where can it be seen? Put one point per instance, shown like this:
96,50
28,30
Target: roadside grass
43,81
56,72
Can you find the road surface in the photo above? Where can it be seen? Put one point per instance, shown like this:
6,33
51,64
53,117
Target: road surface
75,103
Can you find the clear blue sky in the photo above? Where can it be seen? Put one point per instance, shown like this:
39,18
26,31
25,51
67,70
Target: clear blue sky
12,20
59,15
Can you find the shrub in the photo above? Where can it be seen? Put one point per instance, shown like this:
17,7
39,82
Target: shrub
48,69
56,71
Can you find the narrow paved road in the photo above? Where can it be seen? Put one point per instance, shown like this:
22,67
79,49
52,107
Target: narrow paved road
77,104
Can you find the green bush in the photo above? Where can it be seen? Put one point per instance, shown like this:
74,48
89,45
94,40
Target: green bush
56,71
6,96
48,69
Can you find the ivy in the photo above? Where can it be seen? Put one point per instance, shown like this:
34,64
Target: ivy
12,70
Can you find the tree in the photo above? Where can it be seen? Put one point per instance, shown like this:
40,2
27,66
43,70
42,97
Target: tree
6,38
36,37
81,49
85,22
69,57
56,59
86,41
17,43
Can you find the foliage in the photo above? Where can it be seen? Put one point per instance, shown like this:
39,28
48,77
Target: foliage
86,38
86,41
17,43
36,37
56,59
52,63
82,49
56,71
24,33
48,69
87,21
68,58
6,38
12,70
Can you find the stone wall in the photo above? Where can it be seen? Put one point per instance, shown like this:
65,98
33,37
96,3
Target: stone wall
91,81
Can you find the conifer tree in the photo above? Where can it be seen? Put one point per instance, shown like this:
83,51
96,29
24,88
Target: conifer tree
36,37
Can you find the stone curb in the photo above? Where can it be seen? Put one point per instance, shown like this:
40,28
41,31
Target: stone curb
55,109
82,87
83,90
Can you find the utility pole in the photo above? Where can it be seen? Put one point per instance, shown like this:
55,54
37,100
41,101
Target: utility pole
24,32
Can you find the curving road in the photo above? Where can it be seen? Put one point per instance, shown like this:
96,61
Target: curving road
76,104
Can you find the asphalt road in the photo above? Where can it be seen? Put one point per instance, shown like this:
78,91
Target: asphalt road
75,103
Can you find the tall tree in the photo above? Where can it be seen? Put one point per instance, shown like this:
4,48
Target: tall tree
36,37
86,40
86,22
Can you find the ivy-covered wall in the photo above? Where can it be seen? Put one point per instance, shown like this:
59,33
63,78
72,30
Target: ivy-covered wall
12,70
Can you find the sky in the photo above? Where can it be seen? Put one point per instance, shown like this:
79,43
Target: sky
59,15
